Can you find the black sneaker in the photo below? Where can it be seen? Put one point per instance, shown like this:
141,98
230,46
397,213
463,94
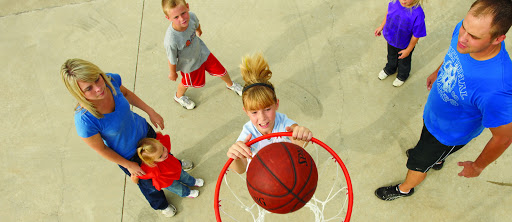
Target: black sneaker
391,193
437,166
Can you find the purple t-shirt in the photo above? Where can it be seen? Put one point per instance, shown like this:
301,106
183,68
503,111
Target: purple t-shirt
402,23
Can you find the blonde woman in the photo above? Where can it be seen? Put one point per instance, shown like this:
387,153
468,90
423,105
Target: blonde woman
105,122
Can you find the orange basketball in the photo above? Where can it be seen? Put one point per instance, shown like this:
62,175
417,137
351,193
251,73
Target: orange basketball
282,177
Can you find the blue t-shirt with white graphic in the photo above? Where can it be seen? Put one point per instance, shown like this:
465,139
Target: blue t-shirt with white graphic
469,95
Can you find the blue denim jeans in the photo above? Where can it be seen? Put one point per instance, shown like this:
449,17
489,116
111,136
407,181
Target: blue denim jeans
155,198
180,187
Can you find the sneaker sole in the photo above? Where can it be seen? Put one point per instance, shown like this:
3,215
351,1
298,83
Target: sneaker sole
184,106
233,91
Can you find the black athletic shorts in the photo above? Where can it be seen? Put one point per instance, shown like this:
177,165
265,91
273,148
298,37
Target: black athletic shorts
428,152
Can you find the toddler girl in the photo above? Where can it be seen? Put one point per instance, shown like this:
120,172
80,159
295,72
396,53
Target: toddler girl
163,168
403,25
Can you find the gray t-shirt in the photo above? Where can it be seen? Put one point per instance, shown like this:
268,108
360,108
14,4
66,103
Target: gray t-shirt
185,49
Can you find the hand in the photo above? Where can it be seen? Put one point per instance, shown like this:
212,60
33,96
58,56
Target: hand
134,179
199,32
239,150
378,31
156,119
173,76
470,170
430,80
300,133
403,54
135,169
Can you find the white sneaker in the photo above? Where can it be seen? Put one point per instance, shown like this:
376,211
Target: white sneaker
170,211
236,88
199,182
383,75
186,165
398,82
193,194
185,102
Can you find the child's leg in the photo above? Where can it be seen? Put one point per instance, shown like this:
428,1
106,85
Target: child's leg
186,179
392,64
178,188
181,90
404,67
227,79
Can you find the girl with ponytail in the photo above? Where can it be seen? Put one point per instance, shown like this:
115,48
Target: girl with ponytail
260,103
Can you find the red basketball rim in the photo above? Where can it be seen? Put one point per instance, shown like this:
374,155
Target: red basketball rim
288,134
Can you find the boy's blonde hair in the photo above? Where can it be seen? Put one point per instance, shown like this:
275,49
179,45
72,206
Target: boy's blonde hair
74,70
258,91
170,4
146,150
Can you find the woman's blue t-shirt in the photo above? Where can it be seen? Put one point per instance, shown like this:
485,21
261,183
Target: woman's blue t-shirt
120,130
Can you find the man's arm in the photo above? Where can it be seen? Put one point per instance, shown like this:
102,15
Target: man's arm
432,78
499,142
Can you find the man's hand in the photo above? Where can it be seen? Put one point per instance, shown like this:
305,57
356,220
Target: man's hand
470,170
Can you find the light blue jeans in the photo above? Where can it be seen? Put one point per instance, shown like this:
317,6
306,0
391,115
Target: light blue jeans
180,187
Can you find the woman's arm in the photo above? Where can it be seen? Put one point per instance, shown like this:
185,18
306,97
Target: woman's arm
96,143
133,99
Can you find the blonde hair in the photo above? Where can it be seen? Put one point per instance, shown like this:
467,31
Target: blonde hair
170,4
74,70
255,70
146,150
415,3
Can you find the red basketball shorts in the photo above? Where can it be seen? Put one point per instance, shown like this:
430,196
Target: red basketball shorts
197,77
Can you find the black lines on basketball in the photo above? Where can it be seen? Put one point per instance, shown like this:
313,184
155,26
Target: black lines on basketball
282,177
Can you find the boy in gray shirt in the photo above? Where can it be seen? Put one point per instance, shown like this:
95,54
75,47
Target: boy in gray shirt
187,53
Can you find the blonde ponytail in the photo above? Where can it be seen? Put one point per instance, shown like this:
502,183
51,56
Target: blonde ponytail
258,92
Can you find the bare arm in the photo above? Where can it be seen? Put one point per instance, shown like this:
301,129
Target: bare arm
432,78
239,152
300,135
96,143
133,99
499,142
199,32
407,51
172,71
379,29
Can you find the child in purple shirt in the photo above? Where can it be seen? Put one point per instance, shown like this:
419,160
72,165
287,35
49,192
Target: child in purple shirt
402,27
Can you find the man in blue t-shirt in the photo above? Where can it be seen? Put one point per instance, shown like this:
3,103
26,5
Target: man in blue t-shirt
471,90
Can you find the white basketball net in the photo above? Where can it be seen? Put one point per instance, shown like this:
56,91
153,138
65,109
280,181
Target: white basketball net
328,204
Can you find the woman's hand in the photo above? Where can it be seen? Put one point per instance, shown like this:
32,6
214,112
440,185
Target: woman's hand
135,169
156,119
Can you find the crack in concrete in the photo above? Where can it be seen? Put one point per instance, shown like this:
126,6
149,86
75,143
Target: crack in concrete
42,9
